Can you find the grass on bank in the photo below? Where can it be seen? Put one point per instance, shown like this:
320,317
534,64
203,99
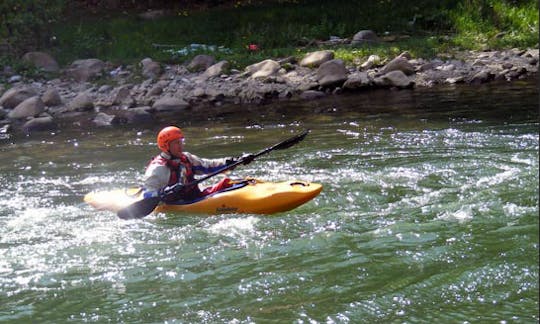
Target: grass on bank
287,28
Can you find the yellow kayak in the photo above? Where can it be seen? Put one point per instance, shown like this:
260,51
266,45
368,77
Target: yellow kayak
249,196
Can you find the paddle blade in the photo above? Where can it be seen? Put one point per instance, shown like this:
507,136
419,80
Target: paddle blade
139,209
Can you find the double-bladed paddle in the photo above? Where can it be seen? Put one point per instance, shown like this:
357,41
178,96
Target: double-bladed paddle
145,206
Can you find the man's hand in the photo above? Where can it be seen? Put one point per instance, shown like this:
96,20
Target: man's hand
247,158
170,190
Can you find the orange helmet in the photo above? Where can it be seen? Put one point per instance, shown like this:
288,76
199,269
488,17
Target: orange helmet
166,135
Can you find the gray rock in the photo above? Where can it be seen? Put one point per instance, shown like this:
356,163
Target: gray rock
287,60
4,130
51,97
315,59
215,70
507,65
122,95
103,119
394,79
426,67
201,62
480,62
364,37
373,60
105,88
214,94
406,55
312,94
514,73
332,73
307,85
198,92
454,80
85,70
357,80
42,61
39,124
14,96
263,69
482,77
30,107
155,91
398,64
150,68
15,78
82,102
169,103
446,67
285,94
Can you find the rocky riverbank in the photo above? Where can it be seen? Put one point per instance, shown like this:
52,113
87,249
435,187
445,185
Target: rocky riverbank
97,93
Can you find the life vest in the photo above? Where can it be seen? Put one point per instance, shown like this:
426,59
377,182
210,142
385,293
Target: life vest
181,171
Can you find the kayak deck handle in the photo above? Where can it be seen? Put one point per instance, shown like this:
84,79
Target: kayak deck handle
298,183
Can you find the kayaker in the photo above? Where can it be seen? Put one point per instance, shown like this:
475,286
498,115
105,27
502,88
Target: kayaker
173,166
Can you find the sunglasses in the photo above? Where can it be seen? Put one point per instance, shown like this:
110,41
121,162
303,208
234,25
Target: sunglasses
180,141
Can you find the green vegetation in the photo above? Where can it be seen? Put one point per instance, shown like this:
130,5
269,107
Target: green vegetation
495,24
25,25
279,28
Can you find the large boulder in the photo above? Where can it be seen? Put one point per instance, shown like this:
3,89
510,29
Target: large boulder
42,61
263,69
201,62
215,70
396,79
122,95
85,70
39,124
482,77
14,96
170,103
357,80
315,59
399,63
215,95
364,37
103,119
30,107
82,102
332,73
51,98
156,90
150,69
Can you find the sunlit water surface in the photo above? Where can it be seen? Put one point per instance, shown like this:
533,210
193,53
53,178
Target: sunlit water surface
429,213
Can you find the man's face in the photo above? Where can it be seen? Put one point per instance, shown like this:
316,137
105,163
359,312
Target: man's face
176,147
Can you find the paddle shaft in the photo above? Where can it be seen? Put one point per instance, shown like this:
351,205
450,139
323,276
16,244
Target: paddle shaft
280,146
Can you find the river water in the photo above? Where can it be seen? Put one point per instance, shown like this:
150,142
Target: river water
429,212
